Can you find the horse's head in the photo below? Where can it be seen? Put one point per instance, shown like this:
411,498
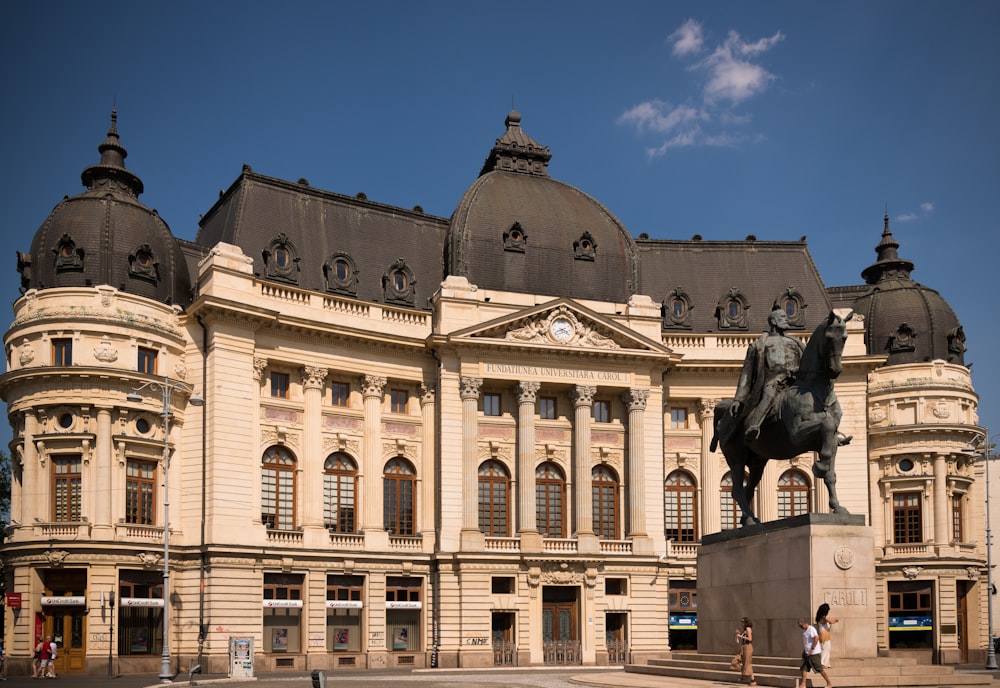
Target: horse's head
834,336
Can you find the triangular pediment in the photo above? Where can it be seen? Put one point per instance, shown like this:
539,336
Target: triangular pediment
561,323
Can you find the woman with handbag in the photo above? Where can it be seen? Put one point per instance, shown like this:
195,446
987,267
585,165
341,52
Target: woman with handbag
745,639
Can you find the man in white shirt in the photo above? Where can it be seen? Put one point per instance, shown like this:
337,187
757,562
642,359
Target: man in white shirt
811,654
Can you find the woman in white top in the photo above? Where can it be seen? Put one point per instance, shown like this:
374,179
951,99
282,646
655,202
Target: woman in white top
823,624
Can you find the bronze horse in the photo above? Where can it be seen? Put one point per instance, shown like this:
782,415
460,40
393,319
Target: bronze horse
805,421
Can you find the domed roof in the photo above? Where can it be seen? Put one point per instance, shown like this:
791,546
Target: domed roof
906,320
105,235
517,229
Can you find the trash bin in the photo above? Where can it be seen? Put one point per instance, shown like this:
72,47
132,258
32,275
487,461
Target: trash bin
319,679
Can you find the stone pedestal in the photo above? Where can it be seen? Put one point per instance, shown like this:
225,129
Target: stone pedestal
778,572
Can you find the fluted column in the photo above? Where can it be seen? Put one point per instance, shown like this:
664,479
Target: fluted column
942,533
582,397
34,481
311,464
103,519
708,485
371,493
472,537
635,403
527,527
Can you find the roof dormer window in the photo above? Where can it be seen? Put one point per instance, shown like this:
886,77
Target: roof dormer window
281,261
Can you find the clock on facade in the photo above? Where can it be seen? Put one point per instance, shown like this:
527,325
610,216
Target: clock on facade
561,329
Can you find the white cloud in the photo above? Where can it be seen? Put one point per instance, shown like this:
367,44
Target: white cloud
926,208
655,115
687,39
736,79
731,76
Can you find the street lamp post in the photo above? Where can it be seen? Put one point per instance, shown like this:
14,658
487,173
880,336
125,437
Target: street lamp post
991,657
166,387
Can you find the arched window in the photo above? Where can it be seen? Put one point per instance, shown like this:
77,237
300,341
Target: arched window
604,484
731,511
340,493
277,499
680,514
494,499
398,494
793,494
550,494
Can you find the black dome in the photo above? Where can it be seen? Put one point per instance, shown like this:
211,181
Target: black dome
517,229
906,320
105,235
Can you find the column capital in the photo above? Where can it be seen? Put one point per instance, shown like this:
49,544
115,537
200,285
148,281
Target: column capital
583,395
313,377
468,387
707,406
427,394
259,364
372,385
527,391
635,399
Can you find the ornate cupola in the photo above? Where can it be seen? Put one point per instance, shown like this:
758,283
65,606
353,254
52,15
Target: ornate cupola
105,235
515,151
907,321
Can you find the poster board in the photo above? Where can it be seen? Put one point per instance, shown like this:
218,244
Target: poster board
240,656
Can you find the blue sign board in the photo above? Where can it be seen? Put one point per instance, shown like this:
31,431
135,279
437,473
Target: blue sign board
911,623
687,622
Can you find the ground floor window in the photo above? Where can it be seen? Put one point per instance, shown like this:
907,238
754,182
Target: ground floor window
402,614
140,613
282,612
343,613
683,605
911,615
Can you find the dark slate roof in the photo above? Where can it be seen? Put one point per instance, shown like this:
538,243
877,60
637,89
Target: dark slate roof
708,272
105,235
517,229
258,210
906,320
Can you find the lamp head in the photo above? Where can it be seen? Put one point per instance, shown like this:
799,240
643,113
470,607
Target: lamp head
133,397
196,400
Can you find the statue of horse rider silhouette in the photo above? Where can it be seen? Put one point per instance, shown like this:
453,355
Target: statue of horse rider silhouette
784,406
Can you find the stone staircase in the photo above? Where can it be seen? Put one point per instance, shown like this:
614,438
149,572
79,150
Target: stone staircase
783,672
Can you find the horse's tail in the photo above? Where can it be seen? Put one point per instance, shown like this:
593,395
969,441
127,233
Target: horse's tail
719,431
715,442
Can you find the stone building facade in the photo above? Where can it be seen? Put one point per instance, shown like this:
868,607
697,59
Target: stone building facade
426,441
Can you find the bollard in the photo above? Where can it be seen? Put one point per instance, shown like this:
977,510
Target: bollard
319,679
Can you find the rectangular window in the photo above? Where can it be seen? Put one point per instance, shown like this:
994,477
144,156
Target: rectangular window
140,613
602,411
279,385
547,408
341,394
678,418
402,614
956,518
282,612
398,399
62,352
491,404
140,479
616,586
66,489
147,361
502,585
343,613
906,518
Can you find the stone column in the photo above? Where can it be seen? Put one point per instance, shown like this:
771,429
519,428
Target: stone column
371,477
34,485
583,492
472,537
428,462
103,521
709,520
635,404
527,527
310,468
942,533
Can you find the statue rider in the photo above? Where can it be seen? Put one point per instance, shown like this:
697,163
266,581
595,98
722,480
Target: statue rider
770,367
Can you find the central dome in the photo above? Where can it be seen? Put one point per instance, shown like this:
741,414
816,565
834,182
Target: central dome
516,229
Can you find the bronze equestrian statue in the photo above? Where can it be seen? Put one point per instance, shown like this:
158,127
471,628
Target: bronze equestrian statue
784,406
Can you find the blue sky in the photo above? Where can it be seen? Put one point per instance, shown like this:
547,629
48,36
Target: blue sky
779,119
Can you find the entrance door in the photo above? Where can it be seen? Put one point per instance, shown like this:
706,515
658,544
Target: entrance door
503,639
560,632
68,628
615,626
962,619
